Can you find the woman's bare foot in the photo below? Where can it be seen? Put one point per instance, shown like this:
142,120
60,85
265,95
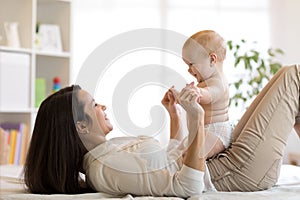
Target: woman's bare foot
297,128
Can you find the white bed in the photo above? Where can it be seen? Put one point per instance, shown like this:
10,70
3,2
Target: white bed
287,188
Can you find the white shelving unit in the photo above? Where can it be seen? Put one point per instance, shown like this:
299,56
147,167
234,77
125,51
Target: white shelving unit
43,64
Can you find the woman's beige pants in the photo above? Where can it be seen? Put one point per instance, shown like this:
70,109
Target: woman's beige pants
253,160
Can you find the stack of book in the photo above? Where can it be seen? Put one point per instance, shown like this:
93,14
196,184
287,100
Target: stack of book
14,139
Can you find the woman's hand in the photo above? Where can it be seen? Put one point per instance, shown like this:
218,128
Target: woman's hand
189,99
170,103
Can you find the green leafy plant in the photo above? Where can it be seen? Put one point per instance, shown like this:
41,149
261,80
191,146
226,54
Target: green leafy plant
256,68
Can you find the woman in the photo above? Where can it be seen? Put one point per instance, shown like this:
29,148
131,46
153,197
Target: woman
251,163
70,139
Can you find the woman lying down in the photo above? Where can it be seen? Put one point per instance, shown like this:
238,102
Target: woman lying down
69,137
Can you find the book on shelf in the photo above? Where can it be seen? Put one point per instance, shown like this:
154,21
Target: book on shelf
40,91
4,147
14,139
13,136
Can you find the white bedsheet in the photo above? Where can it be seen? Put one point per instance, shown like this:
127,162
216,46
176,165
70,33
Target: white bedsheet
287,188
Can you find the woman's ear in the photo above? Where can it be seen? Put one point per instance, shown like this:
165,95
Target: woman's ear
82,127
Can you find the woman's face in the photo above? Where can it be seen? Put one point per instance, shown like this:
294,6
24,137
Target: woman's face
103,121
100,122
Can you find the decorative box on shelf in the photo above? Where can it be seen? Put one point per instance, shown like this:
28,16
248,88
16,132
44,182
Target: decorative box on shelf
14,81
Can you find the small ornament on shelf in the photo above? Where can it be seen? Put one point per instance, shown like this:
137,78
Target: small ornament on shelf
56,84
48,37
12,34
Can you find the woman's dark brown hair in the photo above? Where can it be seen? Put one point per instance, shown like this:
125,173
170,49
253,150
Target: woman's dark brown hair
55,155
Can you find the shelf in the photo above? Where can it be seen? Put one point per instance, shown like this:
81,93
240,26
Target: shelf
24,111
53,54
21,66
48,67
15,50
37,52
62,18
44,64
51,1
20,12
15,117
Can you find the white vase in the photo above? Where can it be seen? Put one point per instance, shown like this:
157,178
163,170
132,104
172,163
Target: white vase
12,34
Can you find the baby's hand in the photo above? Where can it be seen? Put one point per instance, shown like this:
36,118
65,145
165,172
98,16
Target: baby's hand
189,86
196,89
188,99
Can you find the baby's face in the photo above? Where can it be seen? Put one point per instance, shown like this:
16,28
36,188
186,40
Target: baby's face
198,62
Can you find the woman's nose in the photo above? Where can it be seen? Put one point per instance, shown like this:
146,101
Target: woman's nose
191,70
103,107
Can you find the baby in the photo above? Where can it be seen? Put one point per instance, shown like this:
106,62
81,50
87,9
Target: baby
204,53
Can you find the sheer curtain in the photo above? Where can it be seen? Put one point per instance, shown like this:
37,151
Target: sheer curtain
96,21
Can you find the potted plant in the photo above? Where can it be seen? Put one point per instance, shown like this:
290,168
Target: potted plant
256,68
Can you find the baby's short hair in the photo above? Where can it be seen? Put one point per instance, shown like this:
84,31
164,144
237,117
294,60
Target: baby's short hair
211,41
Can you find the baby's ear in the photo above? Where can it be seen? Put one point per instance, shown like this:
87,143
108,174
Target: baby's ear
213,59
82,127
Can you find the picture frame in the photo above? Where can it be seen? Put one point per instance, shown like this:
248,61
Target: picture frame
49,38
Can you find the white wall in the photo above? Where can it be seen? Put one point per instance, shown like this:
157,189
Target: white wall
285,34
285,28
268,22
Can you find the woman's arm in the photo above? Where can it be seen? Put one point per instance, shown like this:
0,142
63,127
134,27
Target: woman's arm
195,154
213,144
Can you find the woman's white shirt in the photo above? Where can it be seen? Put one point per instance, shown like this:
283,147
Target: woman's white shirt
141,166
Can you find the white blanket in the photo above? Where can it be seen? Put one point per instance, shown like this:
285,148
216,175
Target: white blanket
287,188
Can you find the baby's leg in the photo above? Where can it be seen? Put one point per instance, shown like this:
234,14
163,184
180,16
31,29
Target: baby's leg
218,136
253,160
213,145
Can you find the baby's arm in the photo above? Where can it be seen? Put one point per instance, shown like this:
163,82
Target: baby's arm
211,90
206,95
